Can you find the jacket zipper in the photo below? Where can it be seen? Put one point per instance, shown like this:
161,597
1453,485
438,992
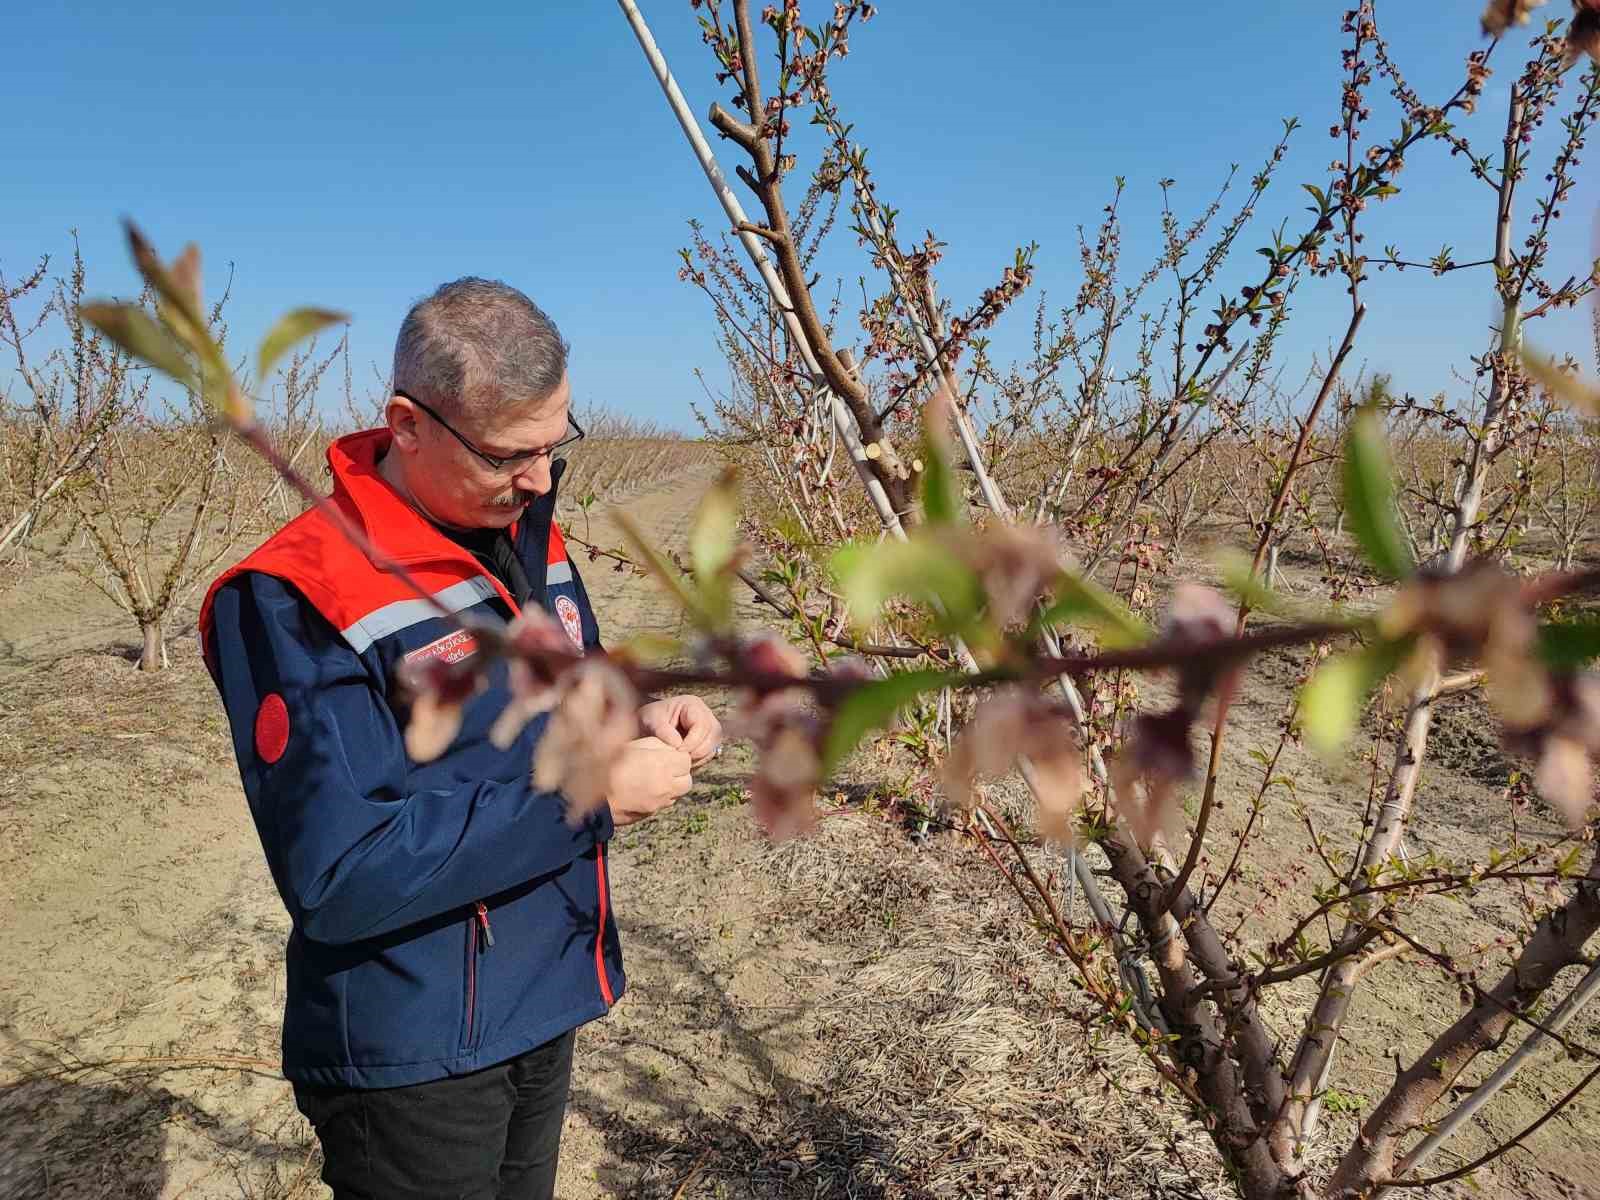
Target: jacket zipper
600,937
476,945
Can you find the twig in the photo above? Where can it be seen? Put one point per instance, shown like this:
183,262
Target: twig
694,1173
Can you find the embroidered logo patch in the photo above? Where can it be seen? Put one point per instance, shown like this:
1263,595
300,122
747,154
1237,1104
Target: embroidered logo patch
570,621
272,728
451,648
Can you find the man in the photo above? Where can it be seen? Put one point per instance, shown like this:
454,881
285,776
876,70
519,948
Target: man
451,925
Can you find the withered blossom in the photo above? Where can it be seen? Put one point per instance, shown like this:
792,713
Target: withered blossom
1477,613
1564,778
593,704
438,691
1157,753
1501,15
769,654
787,777
595,717
1563,740
787,737
434,723
1583,34
1015,563
1554,717
1016,723
535,688
1199,618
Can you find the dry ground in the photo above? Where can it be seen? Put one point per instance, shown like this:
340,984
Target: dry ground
855,1014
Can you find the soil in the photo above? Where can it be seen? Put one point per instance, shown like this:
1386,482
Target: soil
858,1013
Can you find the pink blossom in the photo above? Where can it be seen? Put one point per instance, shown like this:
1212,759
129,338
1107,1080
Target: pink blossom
595,717
1017,724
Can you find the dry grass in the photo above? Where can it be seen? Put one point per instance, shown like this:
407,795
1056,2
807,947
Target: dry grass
91,1129
613,468
963,1041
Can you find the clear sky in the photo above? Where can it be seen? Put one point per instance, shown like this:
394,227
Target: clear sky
356,154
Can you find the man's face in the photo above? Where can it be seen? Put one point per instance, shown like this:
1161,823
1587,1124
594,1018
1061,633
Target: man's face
458,488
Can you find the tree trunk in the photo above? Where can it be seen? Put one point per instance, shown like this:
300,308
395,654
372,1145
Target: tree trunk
153,654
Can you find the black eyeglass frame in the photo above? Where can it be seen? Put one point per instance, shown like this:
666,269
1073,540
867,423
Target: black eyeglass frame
498,462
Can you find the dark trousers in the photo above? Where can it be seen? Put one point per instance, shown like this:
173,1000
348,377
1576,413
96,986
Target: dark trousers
492,1135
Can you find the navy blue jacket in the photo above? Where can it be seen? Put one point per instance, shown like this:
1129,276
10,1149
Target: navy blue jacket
446,916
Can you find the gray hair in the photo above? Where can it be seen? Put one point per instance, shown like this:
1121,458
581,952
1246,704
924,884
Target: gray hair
476,345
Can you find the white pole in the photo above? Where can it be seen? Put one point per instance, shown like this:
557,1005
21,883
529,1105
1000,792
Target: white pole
1588,987
843,422
1080,872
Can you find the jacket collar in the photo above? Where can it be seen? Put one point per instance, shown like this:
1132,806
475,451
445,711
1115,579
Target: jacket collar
389,520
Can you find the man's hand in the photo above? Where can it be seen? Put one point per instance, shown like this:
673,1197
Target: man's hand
645,778
684,722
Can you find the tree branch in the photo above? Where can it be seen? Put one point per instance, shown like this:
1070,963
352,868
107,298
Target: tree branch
1557,943
729,126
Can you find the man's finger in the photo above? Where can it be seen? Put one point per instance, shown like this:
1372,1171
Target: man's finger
664,729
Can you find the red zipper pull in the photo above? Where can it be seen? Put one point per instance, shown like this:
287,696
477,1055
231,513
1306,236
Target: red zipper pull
483,920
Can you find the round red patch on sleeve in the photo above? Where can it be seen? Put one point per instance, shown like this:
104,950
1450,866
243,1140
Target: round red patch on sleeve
272,728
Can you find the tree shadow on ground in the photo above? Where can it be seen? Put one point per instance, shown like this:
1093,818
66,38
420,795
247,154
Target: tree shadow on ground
65,1140
76,1128
783,1138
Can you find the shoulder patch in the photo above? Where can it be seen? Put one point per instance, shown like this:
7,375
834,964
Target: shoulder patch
272,728
567,610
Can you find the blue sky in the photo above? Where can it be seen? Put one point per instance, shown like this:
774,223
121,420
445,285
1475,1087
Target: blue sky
355,155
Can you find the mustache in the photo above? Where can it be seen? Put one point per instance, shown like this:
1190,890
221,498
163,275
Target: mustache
509,500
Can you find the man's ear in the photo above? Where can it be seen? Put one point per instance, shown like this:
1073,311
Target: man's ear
402,417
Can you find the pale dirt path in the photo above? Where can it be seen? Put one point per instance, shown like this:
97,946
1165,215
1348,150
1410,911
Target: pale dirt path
717,1023
137,922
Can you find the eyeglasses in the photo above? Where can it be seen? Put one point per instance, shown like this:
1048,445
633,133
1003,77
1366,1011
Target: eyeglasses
499,462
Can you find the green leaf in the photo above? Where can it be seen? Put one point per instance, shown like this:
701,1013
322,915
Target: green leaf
175,286
293,327
1568,866
1563,385
869,573
874,705
141,335
941,499
658,566
1080,601
1369,496
1332,699
1241,579
221,394
713,540
177,290
714,534
652,648
1234,568
1570,643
